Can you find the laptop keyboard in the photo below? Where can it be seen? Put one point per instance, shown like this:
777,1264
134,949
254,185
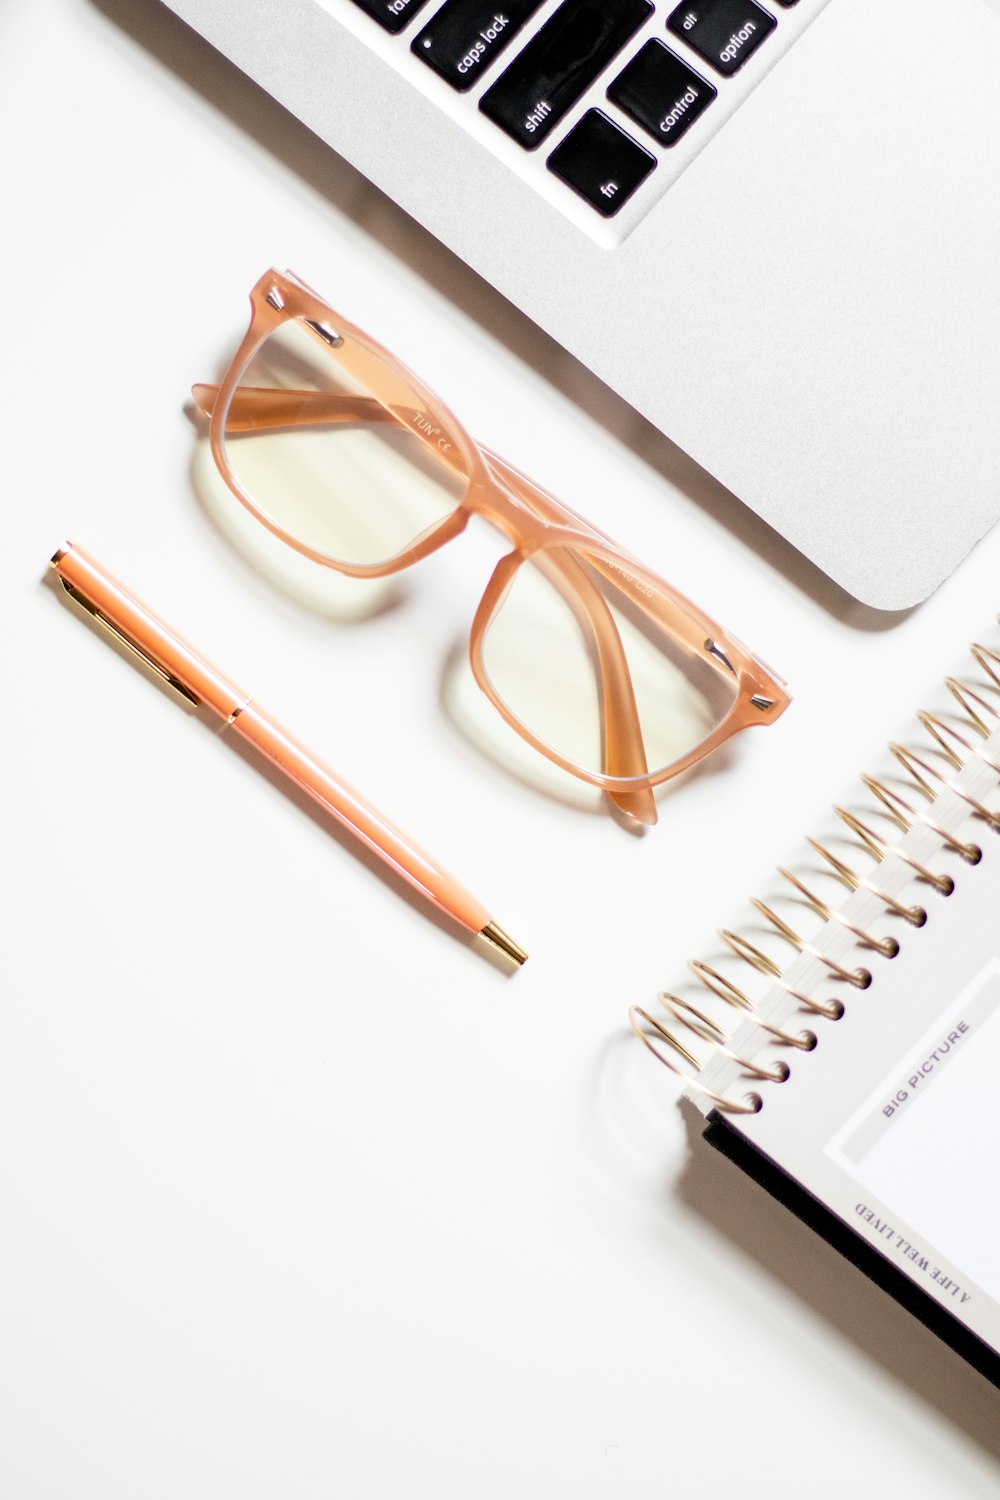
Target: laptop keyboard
657,93
533,94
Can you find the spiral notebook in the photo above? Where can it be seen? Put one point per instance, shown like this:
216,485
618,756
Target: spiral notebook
844,1042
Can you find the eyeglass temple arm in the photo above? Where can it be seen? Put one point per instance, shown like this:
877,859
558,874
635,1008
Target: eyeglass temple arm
656,604
623,750
255,409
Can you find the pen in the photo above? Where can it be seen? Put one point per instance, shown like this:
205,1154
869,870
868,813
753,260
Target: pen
189,674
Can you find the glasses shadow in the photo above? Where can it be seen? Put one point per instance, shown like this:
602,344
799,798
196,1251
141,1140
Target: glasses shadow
338,600
317,590
464,705
325,594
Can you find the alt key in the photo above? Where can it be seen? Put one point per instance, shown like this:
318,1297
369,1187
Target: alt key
601,163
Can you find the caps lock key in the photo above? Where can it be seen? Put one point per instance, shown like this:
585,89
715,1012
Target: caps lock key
465,36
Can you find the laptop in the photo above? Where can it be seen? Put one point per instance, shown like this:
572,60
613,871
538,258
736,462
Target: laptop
772,226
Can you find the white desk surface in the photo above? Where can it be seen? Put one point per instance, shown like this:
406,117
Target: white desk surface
301,1196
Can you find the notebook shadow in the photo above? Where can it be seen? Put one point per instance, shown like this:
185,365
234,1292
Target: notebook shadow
221,84
836,1291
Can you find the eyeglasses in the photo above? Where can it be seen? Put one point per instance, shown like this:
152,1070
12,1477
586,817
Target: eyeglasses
347,457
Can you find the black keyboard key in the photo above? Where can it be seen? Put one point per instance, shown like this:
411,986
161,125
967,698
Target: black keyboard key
601,163
465,36
559,62
661,93
724,32
392,14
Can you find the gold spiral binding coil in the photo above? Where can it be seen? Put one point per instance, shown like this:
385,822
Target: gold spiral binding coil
913,765
915,915
858,977
908,759
965,697
719,985
983,718
907,815
731,1106
731,994
988,661
880,847
941,731
743,948
887,946
710,1031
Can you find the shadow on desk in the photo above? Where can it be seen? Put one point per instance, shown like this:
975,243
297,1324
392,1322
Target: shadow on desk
840,1293
252,110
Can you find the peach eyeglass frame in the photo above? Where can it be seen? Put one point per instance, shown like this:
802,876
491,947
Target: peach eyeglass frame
538,525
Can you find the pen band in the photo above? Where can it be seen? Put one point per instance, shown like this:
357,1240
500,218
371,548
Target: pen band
143,633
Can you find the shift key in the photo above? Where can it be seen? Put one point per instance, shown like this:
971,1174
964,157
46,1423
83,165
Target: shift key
558,64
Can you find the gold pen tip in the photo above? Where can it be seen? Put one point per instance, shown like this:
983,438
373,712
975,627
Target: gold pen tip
503,943
59,554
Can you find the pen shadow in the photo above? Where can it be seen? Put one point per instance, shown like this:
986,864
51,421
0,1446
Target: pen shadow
352,846
261,766
857,1310
247,106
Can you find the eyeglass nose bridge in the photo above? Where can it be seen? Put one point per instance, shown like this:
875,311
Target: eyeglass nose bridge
498,503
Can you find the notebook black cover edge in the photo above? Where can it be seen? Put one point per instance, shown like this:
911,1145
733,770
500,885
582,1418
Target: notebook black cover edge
727,1140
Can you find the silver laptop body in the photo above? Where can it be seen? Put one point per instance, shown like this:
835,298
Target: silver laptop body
801,290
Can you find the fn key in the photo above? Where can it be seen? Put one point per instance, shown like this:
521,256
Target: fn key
601,163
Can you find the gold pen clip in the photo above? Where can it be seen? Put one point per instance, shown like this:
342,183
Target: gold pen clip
128,643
